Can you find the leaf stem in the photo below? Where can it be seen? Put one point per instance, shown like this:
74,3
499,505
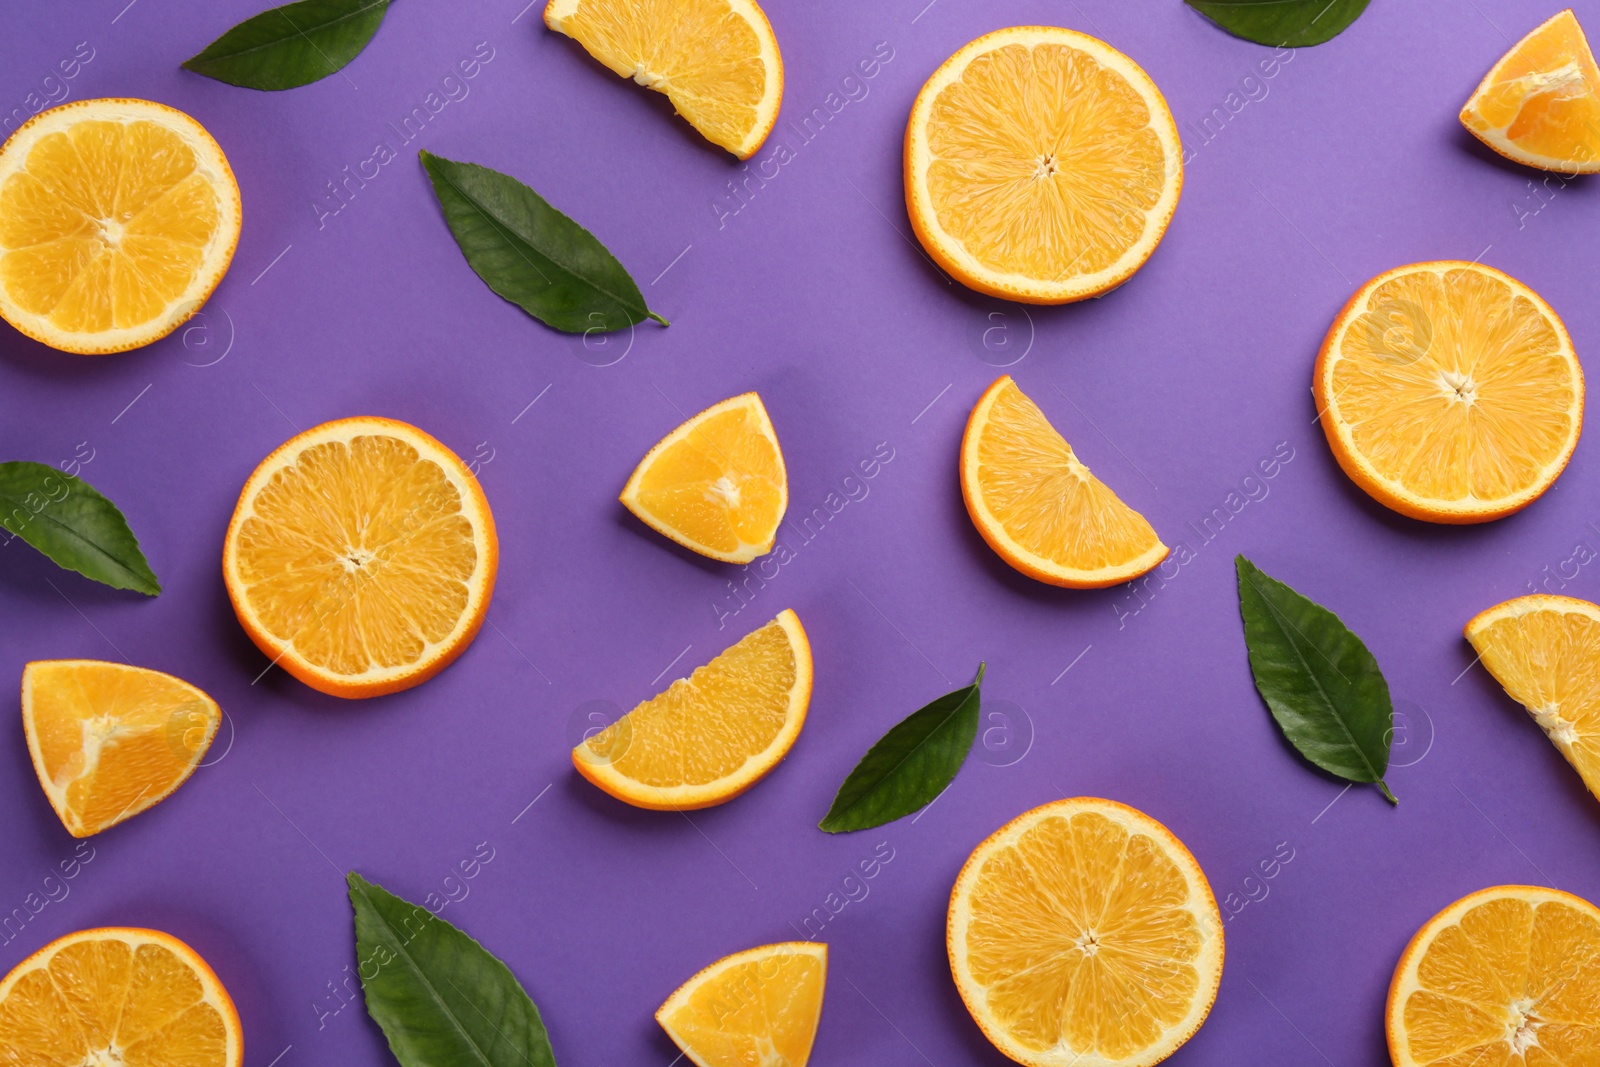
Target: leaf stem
658,318
1390,797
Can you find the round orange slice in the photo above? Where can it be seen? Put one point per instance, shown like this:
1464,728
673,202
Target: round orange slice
1449,392
1545,651
1540,104
756,1007
115,996
109,740
1083,932
361,557
716,484
1041,165
117,220
1039,507
1507,976
716,60
710,736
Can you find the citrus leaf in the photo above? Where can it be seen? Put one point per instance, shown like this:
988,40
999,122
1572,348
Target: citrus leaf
293,45
1319,681
1282,23
439,996
910,765
68,520
532,254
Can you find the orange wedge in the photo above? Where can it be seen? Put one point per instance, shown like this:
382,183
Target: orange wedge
109,740
1509,976
1083,932
1449,392
712,735
757,1008
1545,650
1039,507
117,220
1540,104
1041,165
117,996
361,557
716,484
716,60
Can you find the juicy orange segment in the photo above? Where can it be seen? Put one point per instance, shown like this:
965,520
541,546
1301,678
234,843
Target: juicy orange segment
1450,392
710,736
1508,976
716,484
1041,165
1084,932
361,557
1540,104
716,60
109,740
756,1008
115,995
1039,507
1545,650
117,220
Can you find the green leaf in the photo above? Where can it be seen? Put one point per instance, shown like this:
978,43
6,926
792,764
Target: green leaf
1322,685
290,46
1282,23
532,254
68,520
910,765
440,997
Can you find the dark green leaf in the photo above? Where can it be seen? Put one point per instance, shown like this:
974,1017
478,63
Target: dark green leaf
440,997
292,45
1282,23
68,520
532,254
1320,682
910,765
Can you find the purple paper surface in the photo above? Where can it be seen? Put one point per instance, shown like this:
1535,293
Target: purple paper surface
804,284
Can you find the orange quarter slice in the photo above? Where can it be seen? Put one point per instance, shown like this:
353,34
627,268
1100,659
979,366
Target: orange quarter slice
1038,506
716,60
1540,104
108,740
716,484
710,736
756,1008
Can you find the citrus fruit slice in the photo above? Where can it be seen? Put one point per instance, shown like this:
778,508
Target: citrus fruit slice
716,60
1083,932
109,740
1041,165
119,996
710,736
361,557
1039,507
716,484
1540,104
756,1008
1508,976
1449,392
117,220
1545,650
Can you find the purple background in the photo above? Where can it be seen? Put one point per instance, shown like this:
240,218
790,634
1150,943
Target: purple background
1172,389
